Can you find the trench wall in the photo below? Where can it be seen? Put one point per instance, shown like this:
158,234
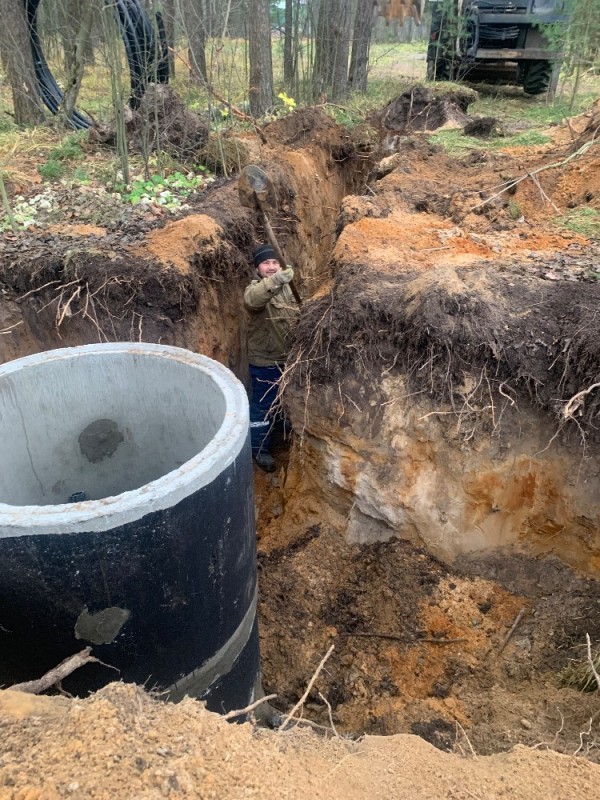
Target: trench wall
388,466
183,284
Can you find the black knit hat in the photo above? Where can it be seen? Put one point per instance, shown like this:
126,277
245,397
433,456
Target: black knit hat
263,253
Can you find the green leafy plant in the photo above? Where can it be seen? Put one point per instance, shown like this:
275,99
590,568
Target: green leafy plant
450,33
577,40
169,191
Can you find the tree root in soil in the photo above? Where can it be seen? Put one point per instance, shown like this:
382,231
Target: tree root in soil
468,338
54,676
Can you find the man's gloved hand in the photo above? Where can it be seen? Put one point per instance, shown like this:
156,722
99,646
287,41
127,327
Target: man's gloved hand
284,275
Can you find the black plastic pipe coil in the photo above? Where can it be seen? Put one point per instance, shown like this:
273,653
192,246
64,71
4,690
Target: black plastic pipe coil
141,48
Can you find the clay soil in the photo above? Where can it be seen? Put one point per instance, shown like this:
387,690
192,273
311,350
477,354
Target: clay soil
424,695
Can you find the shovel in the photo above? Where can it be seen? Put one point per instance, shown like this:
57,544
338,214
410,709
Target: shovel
256,191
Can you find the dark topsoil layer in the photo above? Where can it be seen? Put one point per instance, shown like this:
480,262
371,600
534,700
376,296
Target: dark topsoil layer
517,332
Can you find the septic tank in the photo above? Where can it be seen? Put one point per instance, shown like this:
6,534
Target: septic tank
127,521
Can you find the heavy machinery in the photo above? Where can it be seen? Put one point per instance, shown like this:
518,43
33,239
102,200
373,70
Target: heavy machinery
502,41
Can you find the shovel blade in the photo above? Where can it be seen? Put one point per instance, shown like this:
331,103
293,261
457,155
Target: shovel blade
256,189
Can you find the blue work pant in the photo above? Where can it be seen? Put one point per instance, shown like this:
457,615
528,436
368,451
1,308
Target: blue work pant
262,398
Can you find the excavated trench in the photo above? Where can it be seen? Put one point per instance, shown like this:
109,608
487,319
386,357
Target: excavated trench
432,501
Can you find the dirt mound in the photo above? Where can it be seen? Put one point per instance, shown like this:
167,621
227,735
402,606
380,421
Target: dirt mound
481,126
313,129
179,242
121,743
585,126
421,109
301,128
161,120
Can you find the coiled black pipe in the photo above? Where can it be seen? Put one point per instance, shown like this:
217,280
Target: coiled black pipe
147,55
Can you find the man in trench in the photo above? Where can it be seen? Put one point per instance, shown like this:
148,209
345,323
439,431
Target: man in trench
272,313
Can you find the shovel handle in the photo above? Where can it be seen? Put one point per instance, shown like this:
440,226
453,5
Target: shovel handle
278,251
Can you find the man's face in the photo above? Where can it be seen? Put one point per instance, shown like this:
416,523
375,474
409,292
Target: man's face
267,268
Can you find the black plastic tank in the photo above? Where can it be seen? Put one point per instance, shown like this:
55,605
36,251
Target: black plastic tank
127,522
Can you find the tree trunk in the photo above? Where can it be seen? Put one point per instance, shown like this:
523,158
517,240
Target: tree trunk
332,45
359,62
238,19
77,60
169,20
322,69
68,19
194,26
288,60
339,87
18,61
261,64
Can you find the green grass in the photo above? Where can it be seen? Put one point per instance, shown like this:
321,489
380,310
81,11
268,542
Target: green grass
80,175
511,105
455,142
69,148
527,139
585,221
60,158
52,169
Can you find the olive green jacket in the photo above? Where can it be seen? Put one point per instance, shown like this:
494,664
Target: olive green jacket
272,317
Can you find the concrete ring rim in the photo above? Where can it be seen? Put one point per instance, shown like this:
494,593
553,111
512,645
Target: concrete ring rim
163,492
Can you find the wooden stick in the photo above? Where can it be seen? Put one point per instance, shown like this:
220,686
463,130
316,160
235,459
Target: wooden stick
251,707
308,688
395,638
59,672
275,245
514,626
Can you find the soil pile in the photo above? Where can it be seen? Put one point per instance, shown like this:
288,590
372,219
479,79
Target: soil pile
162,120
421,109
122,743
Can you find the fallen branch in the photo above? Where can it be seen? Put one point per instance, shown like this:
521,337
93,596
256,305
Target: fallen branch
308,688
395,638
513,628
59,673
512,183
251,707
545,197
